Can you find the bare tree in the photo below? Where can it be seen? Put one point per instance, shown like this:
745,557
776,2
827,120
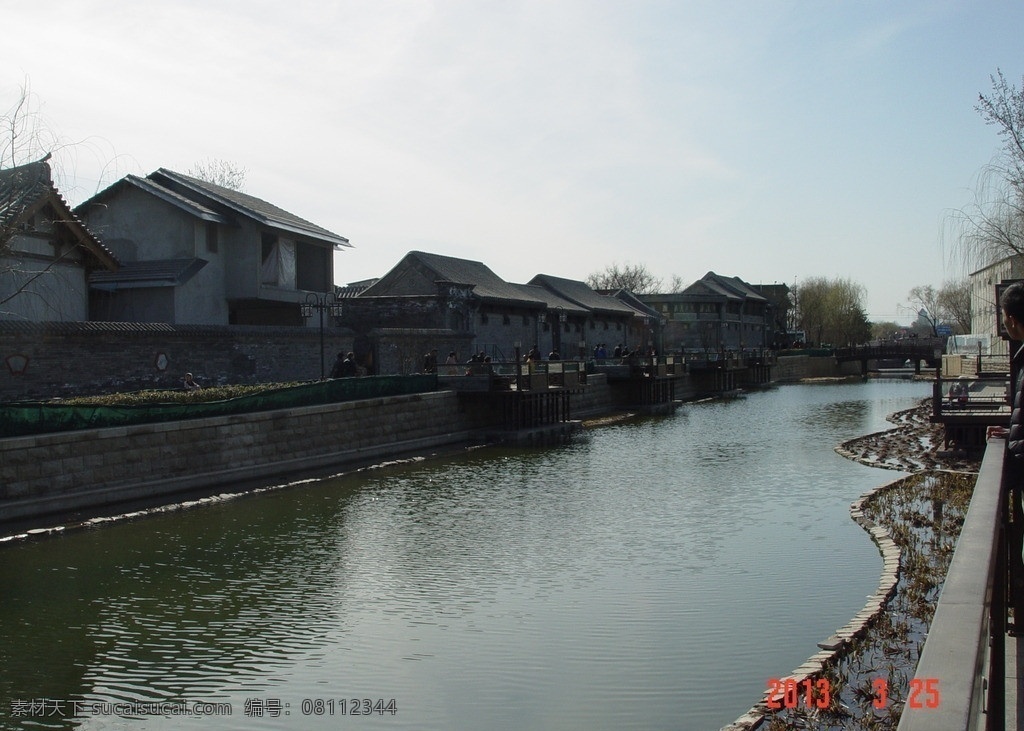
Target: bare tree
39,238
949,304
954,301
23,138
635,278
224,173
21,135
924,303
24,134
1004,109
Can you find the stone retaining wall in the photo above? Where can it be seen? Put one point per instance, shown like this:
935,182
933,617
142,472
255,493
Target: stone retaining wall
795,367
594,400
58,473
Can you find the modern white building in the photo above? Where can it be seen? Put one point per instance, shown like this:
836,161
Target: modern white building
984,307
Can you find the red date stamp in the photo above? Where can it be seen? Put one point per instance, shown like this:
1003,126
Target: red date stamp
817,693
790,693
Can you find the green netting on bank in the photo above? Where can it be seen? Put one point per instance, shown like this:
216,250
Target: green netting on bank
24,418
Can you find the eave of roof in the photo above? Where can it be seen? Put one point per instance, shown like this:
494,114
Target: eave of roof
252,207
730,286
583,295
552,300
147,274
178,201
25,189
487,286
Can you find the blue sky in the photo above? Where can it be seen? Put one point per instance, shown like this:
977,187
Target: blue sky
773,141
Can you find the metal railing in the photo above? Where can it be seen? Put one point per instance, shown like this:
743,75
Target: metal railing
663,365
503,376
925,348
960,678
965,395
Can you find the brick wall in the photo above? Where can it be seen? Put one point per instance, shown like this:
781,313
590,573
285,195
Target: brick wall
43,360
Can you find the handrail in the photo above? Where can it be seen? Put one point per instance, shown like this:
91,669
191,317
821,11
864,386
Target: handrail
993,403
960,679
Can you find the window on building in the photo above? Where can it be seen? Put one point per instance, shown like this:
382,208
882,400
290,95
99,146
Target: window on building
313,267
212,237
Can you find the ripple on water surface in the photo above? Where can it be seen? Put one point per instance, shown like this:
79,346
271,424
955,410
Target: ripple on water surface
650,575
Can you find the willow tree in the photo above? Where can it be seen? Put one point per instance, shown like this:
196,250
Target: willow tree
831,311
991,228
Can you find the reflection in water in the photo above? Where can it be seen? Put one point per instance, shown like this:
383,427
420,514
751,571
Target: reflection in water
650,575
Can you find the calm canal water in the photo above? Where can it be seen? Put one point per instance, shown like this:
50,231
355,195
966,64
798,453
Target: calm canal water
651,575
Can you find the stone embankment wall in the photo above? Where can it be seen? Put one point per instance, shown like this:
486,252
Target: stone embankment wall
594,400
57,473
64,472
790,368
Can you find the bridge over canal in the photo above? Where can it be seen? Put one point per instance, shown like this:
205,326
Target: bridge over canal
916,350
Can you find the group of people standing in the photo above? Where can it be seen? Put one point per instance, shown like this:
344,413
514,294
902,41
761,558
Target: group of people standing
623,351
533,355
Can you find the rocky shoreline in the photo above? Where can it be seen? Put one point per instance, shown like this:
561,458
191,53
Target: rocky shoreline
913,445
916,541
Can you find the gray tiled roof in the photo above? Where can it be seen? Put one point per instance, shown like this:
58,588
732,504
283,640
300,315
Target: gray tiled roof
20,188
582,294
247,205
728,287
552,300
487,285
24,188
630,299
148,273
196,208
210,202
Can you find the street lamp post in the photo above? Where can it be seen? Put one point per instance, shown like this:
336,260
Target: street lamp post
518,346
321,303
556,338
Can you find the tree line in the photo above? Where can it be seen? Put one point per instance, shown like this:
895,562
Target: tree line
826,310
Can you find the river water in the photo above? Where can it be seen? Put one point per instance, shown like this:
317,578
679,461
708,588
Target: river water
651,575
